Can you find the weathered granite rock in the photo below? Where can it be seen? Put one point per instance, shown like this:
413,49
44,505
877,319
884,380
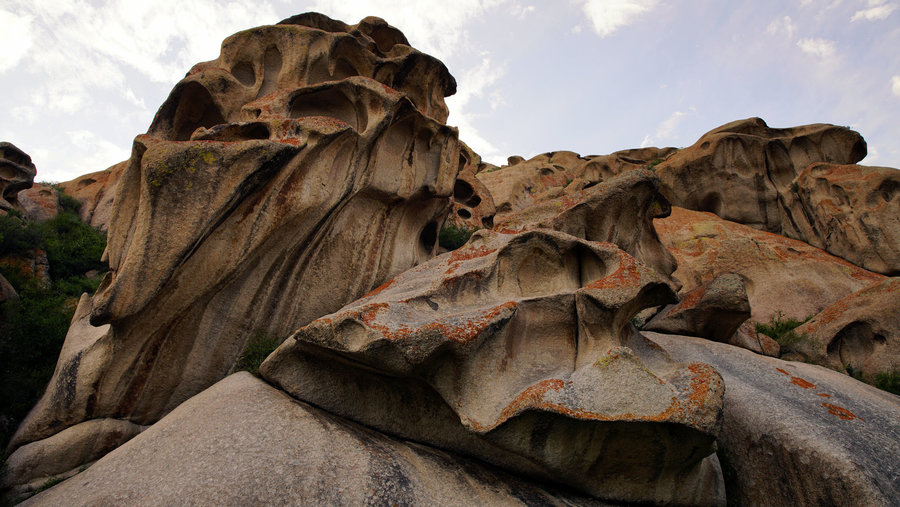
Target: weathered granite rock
850,211
620,210
780,274
17,173
288,177
473,206
241,442
747,337
714,310
96,192
860,333
521,183
38,203
796,434
743,170
518,349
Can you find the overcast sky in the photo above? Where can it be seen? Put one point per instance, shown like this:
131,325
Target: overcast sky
81,78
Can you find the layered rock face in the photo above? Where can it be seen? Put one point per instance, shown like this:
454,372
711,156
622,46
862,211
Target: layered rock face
518,349
303,167
17,173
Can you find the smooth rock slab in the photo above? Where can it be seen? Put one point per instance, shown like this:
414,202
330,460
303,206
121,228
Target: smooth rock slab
243,442
799,434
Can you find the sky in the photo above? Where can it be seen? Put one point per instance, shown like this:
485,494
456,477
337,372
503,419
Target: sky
81,78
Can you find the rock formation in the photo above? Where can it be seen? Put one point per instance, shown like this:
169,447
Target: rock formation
96,192
38,203
518,349
473,206
713,311
303,167
17,173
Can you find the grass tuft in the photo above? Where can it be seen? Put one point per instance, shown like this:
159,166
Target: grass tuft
453,236
257,350
781,330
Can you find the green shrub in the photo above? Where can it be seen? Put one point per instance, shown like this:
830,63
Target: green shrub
781,330
888,381
257,350
453,236
652,165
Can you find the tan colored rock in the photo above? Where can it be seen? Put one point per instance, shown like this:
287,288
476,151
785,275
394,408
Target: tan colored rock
747,337
38,203
96,191
713,311
850,211
619,210
780,274
859,334
473,206
518,349
518,185
241,442
288,177
797,434
17,173
742,171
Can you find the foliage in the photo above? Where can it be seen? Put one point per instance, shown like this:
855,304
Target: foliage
888,381
454,236
781,330
49,483
257,350
652,165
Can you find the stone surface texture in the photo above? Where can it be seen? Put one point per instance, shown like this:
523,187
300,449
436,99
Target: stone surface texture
518,349
742,171
797,434
780,274
473,205
714,310
851,211
17,173
306,165
38,203
241,442
859,333
96,192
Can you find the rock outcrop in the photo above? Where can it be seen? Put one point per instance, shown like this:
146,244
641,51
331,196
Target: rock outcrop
17,173
38,203
473,206
303,167
780,274
95,192
859,334
850,211
713,311
518,349
796,434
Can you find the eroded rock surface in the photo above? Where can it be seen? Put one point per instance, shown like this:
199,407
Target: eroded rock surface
38,203
518,349
851,211
17,173
473,205
713,311
95,192
780,274
797,434
859,334
742,171
303,167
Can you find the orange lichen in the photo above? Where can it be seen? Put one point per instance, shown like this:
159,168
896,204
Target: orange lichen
802,383
380,288
627,275
782,371
467,253
823,395
841,412
469,328
692,298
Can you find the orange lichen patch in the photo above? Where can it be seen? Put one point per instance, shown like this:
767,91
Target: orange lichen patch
841,412
380,288
627,275
700,382
452,282
782,371
692,298
802,383
467,253
823,395
464,330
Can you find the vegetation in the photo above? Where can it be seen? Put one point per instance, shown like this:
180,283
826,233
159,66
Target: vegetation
652,165
256,351
454,236
33,327
888,381
781,330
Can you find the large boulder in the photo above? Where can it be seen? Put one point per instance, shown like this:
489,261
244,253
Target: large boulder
859,334
519,349
303,167
95,192
713,311
38,203
780,274
742,171
241,442
797,434
522,182
850,211
17,173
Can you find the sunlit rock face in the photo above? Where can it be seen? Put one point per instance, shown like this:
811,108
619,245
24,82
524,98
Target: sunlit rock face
519,349
473,205
17,173
306,165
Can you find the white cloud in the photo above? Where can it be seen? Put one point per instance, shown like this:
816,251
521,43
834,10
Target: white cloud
15,38
475,82
875,13
819,47
94,153
576,29
607,16
895,85
666,130
782,25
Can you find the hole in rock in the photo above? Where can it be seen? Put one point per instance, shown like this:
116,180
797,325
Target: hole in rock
244,73
464,213
488,222
465,194
85,182
329,102
711,203
853,344
429,235
195,109
271,71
